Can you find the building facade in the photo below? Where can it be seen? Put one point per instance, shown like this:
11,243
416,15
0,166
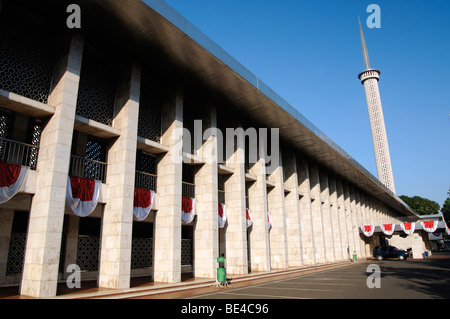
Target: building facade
98,133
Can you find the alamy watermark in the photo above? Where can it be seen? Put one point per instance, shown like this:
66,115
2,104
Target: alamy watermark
74,279
241,146
73,21
374,279
374,20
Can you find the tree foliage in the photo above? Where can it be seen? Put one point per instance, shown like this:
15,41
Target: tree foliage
446,209
420,205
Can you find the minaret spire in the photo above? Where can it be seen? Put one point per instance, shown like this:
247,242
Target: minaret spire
369,78
364,47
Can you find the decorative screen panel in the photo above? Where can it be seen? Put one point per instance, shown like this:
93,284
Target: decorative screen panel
97,89
26,58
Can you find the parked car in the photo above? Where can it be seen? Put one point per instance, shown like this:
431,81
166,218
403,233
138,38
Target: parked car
383,252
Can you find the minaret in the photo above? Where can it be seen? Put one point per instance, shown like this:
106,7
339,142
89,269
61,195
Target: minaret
369,78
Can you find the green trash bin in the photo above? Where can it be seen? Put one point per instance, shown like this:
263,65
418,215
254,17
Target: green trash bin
221,275
354,256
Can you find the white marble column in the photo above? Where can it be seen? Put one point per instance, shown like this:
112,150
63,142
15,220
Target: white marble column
348,220
306,220
354,221
276,208
328,233
259,235
336,218
40,273
292,209
206,233
236,230
167,241
117,220
317,215
342,218
70,256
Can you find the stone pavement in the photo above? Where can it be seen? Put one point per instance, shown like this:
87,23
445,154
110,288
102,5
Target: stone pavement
149,290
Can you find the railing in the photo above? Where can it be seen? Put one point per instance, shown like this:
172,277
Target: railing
188,189
221,196
84,167
145,180
18,153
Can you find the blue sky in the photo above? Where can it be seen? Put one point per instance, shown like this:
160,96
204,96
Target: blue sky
309,52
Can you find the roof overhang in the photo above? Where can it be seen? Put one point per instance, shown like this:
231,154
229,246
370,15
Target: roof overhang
157,25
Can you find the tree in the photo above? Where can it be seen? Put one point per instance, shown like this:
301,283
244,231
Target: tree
420,205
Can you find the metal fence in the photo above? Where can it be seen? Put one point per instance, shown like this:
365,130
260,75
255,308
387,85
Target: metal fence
221,196
145,180
188,189
18,153
84,167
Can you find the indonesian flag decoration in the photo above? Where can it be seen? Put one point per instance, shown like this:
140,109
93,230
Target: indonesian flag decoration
249,220
12,178
82,195
187,209
143,202
222,215
408,228
388,229
368,230
269,220
429,226
447,230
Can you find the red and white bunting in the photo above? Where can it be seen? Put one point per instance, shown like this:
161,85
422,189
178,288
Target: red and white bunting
249,220
222,215
388,229
82,195
447,230
408,228
429,226
12,178
187,209
143,203
269,221
368,230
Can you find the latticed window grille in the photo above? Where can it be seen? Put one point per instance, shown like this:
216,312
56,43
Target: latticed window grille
97,89
35,140
16,254
188,135
151,102
146,168
88,249
141,252
4,125
94,165
186,252
26,58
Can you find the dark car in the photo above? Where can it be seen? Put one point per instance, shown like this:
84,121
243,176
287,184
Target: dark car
383,252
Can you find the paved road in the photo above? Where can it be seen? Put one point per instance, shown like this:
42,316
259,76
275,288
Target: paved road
410,279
